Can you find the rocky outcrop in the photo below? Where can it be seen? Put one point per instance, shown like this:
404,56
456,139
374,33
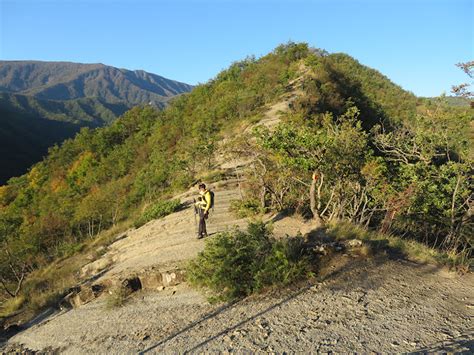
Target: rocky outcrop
152,279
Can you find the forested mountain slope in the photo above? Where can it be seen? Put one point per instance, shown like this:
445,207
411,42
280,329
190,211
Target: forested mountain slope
71,96
29,126
88,110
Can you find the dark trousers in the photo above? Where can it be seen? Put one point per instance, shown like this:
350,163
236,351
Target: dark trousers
202,223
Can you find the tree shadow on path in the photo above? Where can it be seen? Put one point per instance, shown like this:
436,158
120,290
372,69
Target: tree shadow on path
463,344
229,329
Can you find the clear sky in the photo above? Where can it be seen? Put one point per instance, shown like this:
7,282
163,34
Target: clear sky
416,43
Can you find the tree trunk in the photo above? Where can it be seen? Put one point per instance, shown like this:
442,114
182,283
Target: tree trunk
263,193
312,201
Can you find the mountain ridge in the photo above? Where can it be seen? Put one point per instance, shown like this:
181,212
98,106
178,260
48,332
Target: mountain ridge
68,80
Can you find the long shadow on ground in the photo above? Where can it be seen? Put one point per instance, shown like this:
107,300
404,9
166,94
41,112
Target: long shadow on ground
218,311
463,344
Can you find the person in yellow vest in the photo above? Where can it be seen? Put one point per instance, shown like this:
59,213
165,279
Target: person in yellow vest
203,205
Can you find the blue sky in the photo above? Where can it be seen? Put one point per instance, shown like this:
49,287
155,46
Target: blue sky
415,43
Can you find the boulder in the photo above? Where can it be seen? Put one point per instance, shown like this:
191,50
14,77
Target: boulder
353,243
171,278
95,267
151,281
85,295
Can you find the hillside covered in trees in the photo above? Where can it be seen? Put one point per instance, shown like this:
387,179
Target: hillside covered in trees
354,146
43,103
29,126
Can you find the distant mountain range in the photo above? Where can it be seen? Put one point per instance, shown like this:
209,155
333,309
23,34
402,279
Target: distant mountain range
68,81
43,103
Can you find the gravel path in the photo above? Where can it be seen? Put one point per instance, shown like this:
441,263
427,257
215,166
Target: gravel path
363,306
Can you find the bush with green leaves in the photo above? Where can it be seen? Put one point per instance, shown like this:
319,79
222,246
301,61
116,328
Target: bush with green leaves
247,208
237,263
158,210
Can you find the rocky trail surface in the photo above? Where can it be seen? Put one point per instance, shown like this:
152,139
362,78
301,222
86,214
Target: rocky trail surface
154,256
378,305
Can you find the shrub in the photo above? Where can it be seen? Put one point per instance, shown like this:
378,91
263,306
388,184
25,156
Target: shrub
158,210
237,263
285,263
116,298
247,208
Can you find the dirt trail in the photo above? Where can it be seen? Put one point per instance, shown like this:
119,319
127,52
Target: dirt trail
364,306
166,243
171,240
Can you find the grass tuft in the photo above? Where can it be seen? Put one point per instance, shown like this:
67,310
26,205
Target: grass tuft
117,297
11,305
247,208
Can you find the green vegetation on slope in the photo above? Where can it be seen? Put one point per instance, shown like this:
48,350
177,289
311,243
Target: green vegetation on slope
157,210
28,127
355,147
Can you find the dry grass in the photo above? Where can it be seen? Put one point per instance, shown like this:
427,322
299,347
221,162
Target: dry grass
410,249
117,297
46,286
11,305
107,237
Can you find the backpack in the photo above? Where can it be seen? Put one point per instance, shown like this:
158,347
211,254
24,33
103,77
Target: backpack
212,199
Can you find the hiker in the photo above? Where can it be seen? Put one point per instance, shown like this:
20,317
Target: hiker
203,204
